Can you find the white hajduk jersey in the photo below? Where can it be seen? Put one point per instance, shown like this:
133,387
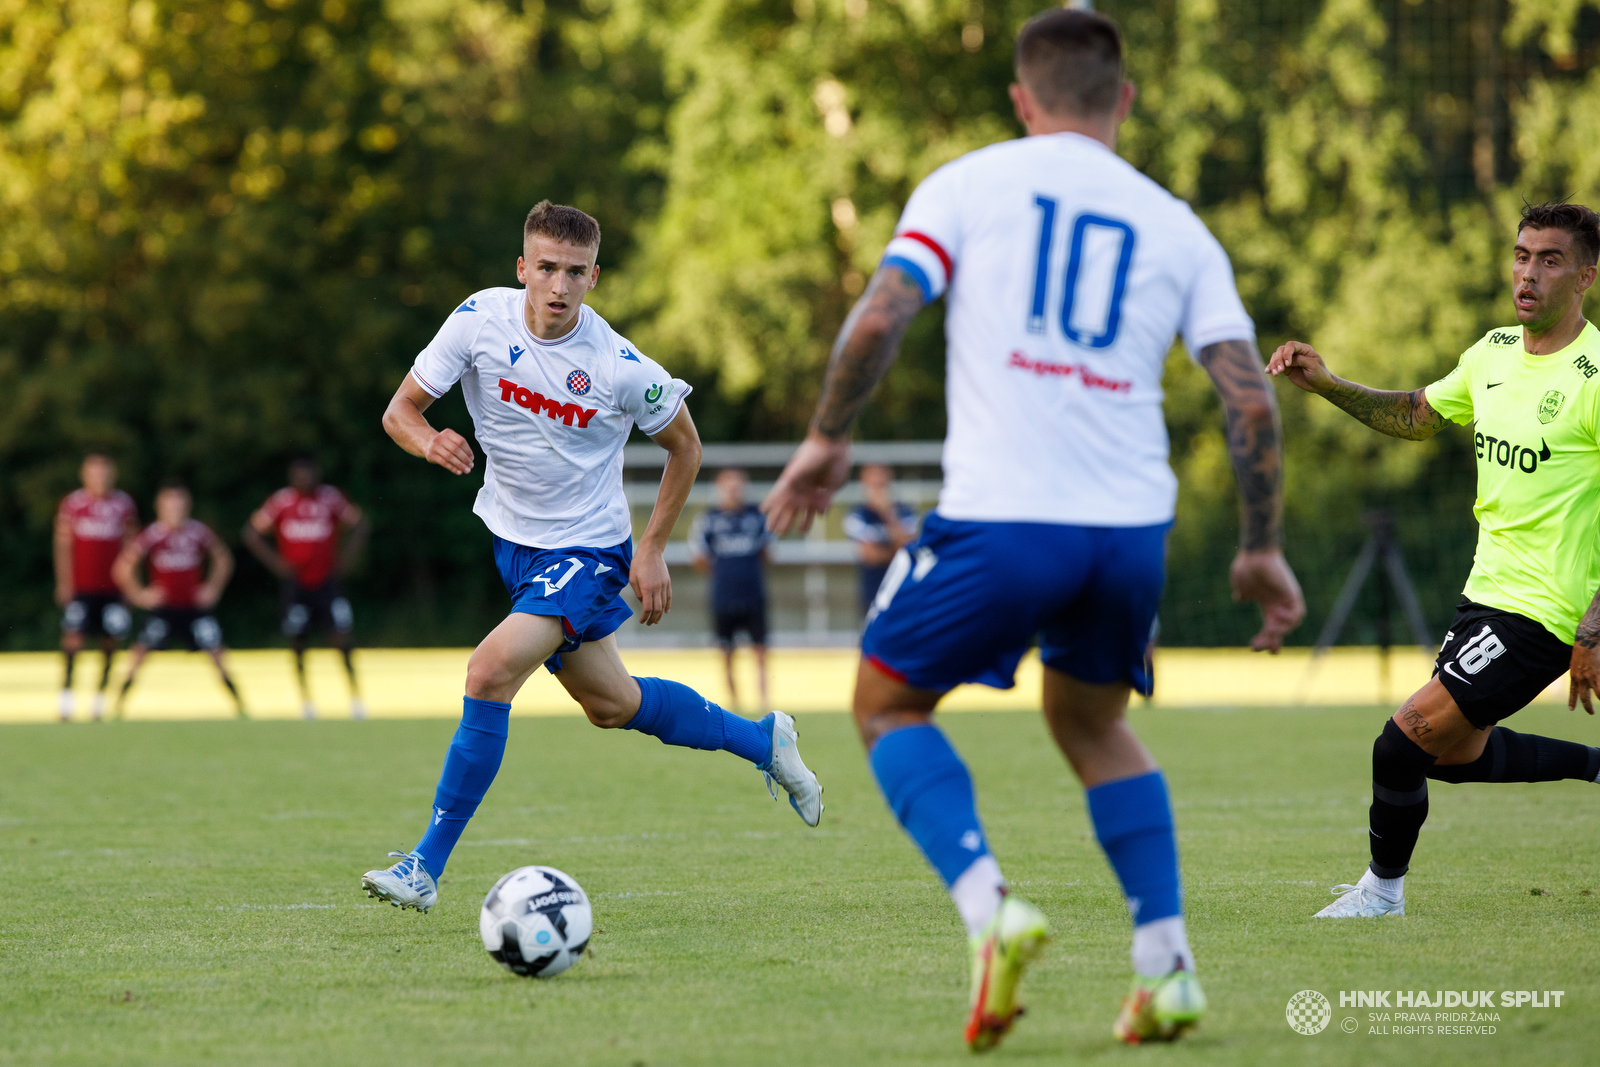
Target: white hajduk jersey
1068,274
551,417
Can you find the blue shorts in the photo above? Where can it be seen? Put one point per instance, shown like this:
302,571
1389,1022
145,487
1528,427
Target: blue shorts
966,600
580,586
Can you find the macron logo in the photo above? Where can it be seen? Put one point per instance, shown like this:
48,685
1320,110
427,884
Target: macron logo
516,350
629,355
470,305
523,397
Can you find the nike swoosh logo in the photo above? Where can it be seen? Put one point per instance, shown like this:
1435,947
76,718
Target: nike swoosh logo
601,568
1491,385
1450,670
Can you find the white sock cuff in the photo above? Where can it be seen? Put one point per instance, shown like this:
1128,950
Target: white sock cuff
1161,946
1391,889
977,893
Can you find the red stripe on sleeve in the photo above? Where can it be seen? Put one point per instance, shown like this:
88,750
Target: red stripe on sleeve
938,250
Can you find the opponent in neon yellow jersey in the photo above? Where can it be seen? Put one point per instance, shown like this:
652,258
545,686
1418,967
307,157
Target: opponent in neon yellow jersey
1533,391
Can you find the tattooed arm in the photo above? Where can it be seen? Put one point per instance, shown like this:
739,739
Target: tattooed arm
1259,571
1585,670
1254,439
1394,412
866,347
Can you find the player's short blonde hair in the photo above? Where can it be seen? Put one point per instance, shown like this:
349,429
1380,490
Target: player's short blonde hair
562,223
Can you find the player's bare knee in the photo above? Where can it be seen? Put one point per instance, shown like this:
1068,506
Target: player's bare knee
607,712
486,677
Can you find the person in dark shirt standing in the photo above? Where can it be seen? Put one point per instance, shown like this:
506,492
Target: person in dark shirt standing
730,542
318,533
880,526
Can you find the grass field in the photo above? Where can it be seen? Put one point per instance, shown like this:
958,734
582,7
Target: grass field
187,893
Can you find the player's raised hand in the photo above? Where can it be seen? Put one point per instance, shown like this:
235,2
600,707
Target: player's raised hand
450,450
652,584
1584,676
1300,363
1265,577
806,487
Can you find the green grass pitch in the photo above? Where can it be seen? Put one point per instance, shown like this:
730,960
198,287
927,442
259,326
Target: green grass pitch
187,893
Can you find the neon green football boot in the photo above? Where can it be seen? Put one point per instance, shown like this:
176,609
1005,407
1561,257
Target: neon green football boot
1014,938
1160,1009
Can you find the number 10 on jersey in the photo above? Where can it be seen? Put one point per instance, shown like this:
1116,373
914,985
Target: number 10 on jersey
1091,297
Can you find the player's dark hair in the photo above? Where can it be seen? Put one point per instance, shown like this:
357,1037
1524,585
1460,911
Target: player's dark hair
101,456
562,223
1071,61
305,458
172,483
1577,220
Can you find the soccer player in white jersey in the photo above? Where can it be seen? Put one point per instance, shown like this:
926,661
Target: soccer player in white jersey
553,392
1066,275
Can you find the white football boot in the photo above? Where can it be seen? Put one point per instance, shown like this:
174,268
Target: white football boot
405,885
358,708
787,769
1360,902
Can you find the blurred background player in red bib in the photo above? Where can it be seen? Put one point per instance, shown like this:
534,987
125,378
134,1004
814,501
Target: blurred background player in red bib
93,524
309,520
182,589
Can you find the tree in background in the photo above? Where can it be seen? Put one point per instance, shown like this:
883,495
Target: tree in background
226,227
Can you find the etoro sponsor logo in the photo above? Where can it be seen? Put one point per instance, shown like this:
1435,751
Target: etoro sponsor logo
523,397
1510,454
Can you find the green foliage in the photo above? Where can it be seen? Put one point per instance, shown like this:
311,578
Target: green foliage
225,228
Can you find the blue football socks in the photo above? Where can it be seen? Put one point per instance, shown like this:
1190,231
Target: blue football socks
1133,819
930,791
469,768
677,715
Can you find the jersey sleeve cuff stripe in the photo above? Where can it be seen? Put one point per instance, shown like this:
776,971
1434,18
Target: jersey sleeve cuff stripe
937,248
914,272
431,391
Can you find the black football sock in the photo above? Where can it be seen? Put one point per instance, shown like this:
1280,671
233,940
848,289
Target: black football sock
299,671
1512,757
350,668
66,681
105,668
1399,800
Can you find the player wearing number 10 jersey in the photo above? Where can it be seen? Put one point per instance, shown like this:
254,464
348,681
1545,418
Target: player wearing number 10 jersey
1066,274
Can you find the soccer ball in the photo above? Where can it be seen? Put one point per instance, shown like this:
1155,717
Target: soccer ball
536,921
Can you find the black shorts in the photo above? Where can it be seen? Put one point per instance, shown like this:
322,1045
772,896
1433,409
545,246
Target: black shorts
321,608
188,628
751,618
1494,663
96,615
